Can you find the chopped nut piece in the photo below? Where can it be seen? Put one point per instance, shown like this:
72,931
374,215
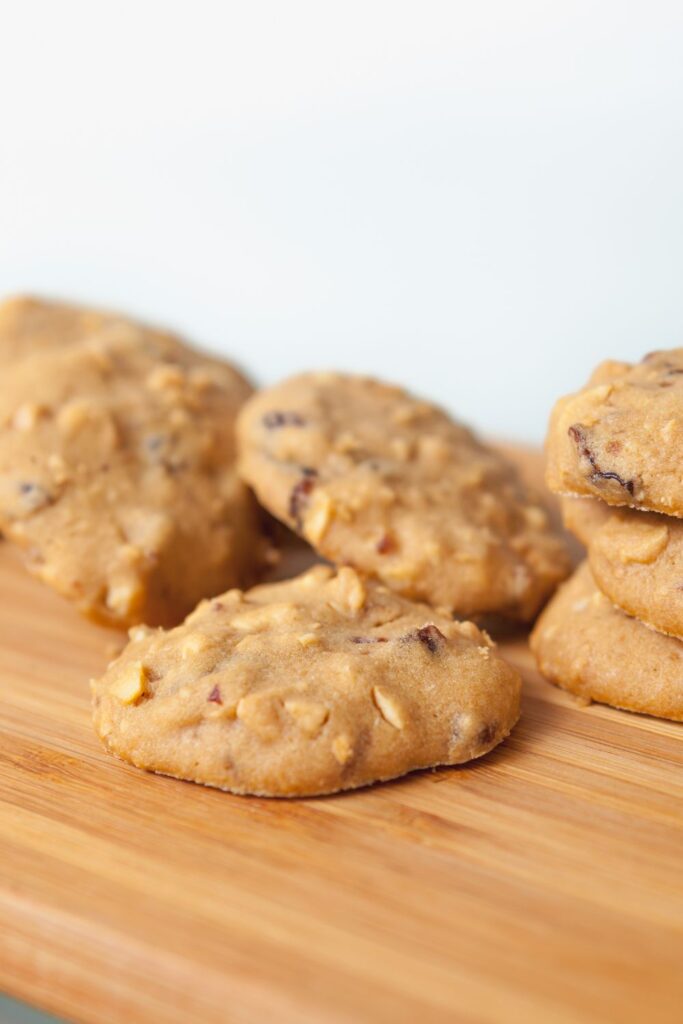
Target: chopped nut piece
342,748
310,716
644,543
351,593
259,711
73,416
124,597
27,415
139,632
536,517
58,468
193,645
346,442
401,449
308,639
434,449
131,686
318,517
388,707
165,378
203,379
469,630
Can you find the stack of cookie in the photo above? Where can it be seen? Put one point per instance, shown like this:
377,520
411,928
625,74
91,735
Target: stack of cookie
128,466
614,632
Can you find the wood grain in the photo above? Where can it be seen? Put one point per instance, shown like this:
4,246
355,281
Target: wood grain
543,883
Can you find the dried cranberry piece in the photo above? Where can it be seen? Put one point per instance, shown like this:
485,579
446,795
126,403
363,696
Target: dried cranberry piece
368,639
431,636
287,418
579,435
299,495
385,545
215,696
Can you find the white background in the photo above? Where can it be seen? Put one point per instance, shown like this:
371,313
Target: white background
479,199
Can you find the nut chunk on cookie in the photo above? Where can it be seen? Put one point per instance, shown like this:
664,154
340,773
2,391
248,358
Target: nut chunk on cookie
620,438
317,684
636,559
585,645
374,478
117,463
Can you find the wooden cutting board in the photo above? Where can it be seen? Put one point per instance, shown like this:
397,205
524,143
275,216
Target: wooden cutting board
541,884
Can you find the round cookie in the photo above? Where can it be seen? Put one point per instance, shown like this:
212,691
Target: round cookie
620,438
374,478
117,469
636,559
309,686
584,644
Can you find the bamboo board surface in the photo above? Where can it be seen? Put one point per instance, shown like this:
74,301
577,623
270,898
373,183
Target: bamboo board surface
543,883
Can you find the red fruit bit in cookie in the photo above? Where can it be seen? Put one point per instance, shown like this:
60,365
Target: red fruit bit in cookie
579,436
299,495
215,696
429,635
432,637
368,639
276,419
385,545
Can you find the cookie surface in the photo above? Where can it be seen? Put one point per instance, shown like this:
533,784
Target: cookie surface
620,438
117,464
636,559
29,325
584,516
584,644
374,478
317,684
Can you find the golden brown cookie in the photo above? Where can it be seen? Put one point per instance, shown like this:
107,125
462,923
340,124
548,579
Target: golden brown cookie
117,465
620,438
374,478
636,559
584,644
317,684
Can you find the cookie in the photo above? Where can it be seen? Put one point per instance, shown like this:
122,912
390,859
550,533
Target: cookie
620,438
584,644
374,478
636,559
309,686
117,466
